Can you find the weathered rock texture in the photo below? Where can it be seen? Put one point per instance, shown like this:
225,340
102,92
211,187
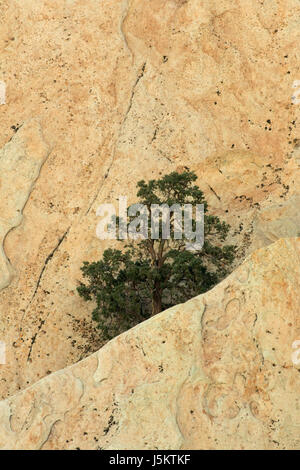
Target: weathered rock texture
20,164
116,91
214,373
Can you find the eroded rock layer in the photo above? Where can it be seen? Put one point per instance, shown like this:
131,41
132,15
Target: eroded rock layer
115,91
214,373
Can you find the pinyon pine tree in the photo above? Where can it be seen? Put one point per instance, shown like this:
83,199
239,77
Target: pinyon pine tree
150,275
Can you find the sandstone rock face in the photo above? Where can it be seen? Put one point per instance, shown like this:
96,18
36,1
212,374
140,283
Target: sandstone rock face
115,91
20,165
214,373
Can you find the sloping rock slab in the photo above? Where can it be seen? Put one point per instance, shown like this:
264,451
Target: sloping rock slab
214,373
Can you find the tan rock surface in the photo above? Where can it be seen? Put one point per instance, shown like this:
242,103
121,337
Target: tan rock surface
124,90
20,164
213,373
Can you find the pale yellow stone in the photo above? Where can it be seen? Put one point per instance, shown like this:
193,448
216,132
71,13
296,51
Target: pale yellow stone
214,373
116,91
20,165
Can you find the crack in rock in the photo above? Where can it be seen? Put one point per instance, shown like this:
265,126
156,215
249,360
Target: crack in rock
49,258
139,77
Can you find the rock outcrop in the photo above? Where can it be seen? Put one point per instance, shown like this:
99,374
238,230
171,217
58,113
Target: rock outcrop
114,91
214,373
20,164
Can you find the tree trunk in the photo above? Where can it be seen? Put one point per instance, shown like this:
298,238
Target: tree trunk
156,299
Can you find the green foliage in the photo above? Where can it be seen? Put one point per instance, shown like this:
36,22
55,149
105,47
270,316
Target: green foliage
149,276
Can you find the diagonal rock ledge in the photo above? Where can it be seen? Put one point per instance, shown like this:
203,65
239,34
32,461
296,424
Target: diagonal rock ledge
213,373
215,97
